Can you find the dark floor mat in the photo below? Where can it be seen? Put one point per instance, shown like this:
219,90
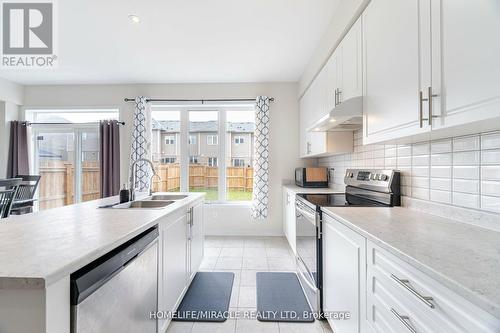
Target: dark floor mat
280,298
207,298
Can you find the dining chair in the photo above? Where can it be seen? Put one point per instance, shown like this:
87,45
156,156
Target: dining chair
25,197
7,195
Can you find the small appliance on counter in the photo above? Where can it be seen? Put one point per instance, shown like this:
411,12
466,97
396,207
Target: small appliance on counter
364,188
311,177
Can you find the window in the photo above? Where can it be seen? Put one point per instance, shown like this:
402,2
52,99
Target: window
168,160
165,153
238,162
213,149
239,173
170,140
212,140
213,162
66,154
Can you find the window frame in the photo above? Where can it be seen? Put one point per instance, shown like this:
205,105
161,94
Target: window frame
213,139
239,139
240,160
195,139
170,139
223,139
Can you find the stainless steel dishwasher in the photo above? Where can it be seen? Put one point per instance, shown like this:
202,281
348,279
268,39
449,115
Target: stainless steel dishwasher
117,292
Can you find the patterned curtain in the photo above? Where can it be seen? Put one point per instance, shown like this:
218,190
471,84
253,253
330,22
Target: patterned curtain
260,197
141,142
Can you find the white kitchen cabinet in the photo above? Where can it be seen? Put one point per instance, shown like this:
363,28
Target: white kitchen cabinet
333,81
465,62
344,275
396,68
289,222
172,269
401,298
351,64
196,239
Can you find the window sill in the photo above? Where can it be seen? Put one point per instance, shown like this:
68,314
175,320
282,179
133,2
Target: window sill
230,203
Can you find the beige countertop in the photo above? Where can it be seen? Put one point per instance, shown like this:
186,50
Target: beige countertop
41,248
462,257
297,189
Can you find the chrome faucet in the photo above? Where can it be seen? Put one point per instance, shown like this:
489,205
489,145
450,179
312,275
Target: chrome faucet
133,174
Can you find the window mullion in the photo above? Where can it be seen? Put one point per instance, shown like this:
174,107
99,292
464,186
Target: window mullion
184,153
222,155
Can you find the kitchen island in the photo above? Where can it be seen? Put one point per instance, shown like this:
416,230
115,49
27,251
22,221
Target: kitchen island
39,251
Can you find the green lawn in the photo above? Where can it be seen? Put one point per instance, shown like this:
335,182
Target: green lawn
212,195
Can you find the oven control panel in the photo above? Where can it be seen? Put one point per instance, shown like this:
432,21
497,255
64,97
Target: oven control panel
376,179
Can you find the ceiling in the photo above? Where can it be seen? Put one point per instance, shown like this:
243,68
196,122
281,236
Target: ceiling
180,41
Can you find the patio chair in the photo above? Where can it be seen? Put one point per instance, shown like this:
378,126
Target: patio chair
8,190
25,197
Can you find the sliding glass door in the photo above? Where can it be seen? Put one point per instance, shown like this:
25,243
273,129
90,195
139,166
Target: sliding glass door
68,161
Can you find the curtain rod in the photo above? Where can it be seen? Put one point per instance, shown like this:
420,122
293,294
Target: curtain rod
271,99
91,123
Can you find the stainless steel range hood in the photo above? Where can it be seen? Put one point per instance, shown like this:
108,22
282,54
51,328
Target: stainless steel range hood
347,116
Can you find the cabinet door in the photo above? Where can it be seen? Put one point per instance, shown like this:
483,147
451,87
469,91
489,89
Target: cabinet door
396,67
351,74
333,80
344,275
303,119
317,142
466,56
172,280
197,238
289,218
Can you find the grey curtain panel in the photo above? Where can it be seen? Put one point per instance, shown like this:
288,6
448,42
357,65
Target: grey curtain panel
18,150
261,162
109,153
141,133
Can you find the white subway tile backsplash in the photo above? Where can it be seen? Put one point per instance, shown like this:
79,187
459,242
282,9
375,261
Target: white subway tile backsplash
466,143
440,196
441,146
490,172
422,171
490,157
466,186
491,204
421,149
443,184
461,171
491,188
441,159
420,160
466,158
465,200
441,171
466,172
490,141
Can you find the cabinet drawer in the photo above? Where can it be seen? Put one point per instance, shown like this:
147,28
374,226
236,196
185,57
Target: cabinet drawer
422,297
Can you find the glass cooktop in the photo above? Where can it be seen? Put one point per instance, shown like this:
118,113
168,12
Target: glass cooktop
338,200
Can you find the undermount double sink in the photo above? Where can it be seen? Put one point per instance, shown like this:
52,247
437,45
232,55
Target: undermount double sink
157,201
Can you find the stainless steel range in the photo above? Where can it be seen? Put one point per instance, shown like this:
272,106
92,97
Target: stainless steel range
364,188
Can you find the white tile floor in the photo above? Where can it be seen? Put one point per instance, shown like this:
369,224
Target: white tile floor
245,256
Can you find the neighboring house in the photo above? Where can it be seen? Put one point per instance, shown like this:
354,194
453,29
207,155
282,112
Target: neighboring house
203,143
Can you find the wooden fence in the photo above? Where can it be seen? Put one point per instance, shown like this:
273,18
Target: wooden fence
57,188
202,177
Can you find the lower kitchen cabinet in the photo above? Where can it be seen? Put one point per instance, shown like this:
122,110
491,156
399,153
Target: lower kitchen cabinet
181,252
344,275
289,217
385,294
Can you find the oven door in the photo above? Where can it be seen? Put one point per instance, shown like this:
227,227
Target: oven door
307,252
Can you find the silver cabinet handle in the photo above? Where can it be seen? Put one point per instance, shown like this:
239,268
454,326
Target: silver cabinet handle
336,97
430,94
406,284
339,93
421,100
404,320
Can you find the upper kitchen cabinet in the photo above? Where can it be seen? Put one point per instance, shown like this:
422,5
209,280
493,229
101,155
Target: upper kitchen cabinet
396,68
351,64
430,69
465,60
